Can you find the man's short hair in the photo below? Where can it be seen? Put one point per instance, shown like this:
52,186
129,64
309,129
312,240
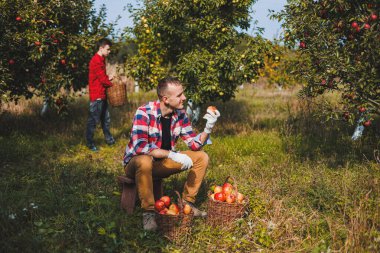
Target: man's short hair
102,42
164,83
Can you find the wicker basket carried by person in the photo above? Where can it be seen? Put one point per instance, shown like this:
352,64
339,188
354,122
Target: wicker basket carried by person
175,227
221,213
117,93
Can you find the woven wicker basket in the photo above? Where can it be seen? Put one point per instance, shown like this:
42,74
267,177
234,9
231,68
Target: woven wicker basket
175,227
223,213
117,93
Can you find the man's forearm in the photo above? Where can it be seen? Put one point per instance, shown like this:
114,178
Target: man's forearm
203,137
159,153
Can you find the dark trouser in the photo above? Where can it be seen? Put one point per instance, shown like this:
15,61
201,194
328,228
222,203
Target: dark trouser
98,113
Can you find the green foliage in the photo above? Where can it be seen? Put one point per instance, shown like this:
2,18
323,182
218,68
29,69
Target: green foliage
339,44
198,41
46,46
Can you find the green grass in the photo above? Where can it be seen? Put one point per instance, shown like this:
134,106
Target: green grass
311,188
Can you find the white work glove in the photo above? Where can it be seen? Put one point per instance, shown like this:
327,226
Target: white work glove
211,117
183,159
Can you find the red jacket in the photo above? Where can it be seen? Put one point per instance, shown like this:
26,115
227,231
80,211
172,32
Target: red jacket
97,78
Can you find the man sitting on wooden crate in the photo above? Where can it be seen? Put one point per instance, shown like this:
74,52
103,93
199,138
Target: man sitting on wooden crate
151,151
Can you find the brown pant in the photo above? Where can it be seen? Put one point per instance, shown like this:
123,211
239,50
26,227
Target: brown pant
143,169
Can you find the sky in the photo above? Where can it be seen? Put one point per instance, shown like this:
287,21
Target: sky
272,28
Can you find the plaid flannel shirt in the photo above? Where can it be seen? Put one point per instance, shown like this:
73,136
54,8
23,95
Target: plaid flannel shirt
146,132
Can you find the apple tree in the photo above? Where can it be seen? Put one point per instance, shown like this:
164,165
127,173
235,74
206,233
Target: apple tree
339,43
198,41
46,46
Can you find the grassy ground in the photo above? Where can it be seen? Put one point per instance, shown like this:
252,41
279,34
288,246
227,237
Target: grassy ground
311,188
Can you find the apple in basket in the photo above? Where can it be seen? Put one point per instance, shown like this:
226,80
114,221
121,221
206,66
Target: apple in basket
174,208
230,198
159,205
163,211
240,198
187,209
212,196
166,200
220,196
171,212
227,188
218,189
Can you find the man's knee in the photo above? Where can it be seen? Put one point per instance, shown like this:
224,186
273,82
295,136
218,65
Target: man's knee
143,163
202,158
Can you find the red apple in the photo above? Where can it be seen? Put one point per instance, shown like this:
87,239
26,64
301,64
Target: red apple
218,189
220,196
302,44
174,208
227,188
362,109
230,198
63,61
37,43
159,205
18,18
354,25
323,82
166,200
187,209
11,62
373,16
367,26
367,123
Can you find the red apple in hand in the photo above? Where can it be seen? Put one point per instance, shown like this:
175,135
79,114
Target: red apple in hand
159,205
166,200
220,196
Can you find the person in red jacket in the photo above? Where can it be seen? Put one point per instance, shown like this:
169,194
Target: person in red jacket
98,83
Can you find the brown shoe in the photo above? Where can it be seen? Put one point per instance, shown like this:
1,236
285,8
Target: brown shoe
149,221
197,212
